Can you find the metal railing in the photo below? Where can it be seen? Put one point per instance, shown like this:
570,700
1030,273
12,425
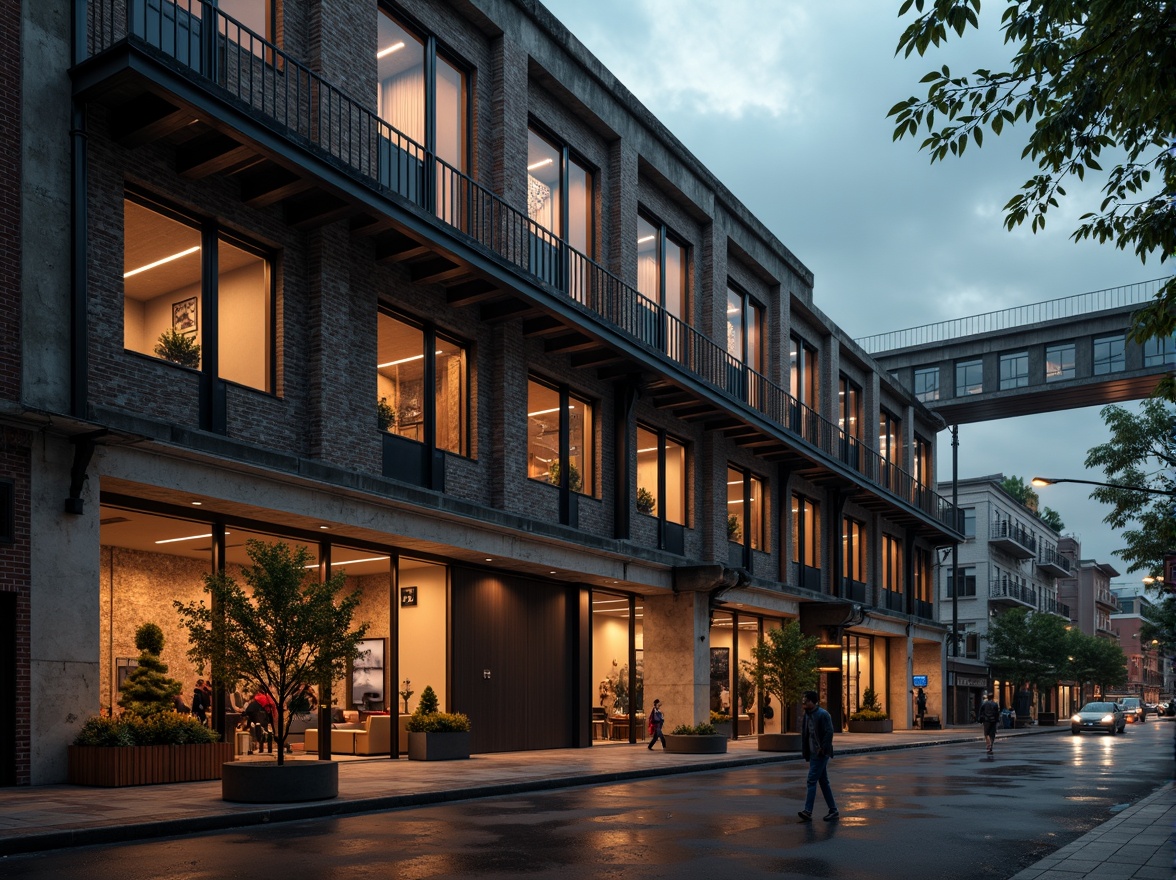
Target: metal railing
260,79
1050,556
1006,588
1053,606
1003,528
1018,316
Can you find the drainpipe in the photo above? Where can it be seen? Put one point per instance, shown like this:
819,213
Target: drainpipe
79,257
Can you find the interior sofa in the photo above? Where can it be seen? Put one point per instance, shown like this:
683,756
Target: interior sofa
373,737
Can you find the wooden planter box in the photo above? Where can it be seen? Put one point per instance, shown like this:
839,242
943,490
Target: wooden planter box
713,744
886,726
438,746
114,766
779,742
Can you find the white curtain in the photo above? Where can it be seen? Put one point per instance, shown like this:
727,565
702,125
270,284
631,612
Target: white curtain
402,103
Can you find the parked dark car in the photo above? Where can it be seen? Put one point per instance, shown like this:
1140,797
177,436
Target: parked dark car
1099,716
1134,709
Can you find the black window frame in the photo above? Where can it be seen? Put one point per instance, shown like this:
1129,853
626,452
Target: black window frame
926,394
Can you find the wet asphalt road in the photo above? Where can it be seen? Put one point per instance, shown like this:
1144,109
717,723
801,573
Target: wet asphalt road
944,811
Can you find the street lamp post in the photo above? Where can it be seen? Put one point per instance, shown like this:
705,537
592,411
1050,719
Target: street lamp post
1049,481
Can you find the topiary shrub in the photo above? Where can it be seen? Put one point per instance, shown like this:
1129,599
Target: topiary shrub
148,690
427,718
871,709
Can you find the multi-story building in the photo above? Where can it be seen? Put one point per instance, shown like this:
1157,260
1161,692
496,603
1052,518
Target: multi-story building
421,287
1009,559
1145,677
1087,591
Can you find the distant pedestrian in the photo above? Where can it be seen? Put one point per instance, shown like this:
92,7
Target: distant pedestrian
200,702
656,720
989,716
921,706
816,743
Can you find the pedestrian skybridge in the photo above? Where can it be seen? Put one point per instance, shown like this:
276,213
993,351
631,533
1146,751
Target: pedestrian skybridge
1054,355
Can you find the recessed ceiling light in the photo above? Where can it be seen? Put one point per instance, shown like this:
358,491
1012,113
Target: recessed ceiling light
197,503
488,559
324,527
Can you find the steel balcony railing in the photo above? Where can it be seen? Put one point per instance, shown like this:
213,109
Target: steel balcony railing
1003,528
256,76
1006,588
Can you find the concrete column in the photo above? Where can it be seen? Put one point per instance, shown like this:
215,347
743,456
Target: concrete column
676,631
64,608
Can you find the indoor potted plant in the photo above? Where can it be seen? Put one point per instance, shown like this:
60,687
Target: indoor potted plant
645,501
783,664
700,739
870,718
434,735
149,743
178,348
241,643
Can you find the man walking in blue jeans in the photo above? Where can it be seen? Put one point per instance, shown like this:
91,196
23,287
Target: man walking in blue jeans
816,737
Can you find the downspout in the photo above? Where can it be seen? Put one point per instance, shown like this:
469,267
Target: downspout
79,255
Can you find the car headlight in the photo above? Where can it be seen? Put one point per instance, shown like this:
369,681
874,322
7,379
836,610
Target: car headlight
1108,719
1077,719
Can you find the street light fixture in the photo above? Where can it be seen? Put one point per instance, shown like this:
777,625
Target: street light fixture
1049,481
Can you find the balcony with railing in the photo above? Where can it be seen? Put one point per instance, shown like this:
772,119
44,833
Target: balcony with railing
1012,538
213,68
1050,605
1006,591
1053,563
1107,599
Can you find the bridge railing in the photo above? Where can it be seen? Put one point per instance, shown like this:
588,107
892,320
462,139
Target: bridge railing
1019,316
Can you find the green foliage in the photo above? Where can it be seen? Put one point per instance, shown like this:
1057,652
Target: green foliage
1093,659
429,719
746,693
734,528
149,637
698,730
575,481
288,631
1022,491
1051,518
871,708
148,690
719,717
385,415
1028,648
784,663
438,722
179,349
645,501
1090,78
428,703
1140,452
164,729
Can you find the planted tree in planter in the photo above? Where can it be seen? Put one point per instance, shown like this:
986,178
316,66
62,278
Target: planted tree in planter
783,664
428,720
147,690
870,718
291,631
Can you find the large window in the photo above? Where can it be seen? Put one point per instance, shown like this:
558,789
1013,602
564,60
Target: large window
803,372
923,462
1059,362
927,383
661,476
745,327
1014,370
967,581
806,532
745,509
662,278
849,402
922,584
423,96
560,204
969,522
892,574
405,373
221,322
1159,351
890,438
969,378
560,433
853,555
1109,355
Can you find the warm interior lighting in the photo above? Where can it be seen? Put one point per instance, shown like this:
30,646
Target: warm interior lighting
415,357
348,562
393,48
646,238
190,250
187,538
539,164
543,412
648,449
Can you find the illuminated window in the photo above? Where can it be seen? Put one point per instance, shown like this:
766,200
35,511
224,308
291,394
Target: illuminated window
1059,362
745,509
166,293
661,476
663,271
557,418
806,532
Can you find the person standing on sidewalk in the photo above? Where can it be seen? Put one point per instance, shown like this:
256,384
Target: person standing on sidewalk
816,743
989,715
656,720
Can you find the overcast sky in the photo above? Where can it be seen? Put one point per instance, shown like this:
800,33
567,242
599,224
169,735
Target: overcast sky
785,101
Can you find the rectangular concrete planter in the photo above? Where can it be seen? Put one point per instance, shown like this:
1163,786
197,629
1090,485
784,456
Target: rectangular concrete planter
1047,719
886,726
779,742
710,744
438,746
114,766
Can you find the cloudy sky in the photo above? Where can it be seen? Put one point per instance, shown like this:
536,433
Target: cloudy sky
786,100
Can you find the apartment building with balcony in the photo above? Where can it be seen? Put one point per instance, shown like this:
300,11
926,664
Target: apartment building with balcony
1145,672
421,287
1009,559
1087,591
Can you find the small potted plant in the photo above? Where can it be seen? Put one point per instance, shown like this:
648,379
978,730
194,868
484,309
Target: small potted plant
405,693
434,735
734,529
385,415
700,739
575,481
645,501
870,718
178,348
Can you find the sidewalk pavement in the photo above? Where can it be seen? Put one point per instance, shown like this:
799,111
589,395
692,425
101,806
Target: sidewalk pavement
1135,843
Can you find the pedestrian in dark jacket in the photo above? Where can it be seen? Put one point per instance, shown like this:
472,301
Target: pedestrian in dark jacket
656,720
989,716
816,743
200,702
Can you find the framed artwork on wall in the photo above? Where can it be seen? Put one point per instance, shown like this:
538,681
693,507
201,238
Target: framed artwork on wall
184,318
367,675
408,597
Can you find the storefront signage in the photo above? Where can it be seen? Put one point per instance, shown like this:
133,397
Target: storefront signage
918,681
970,681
